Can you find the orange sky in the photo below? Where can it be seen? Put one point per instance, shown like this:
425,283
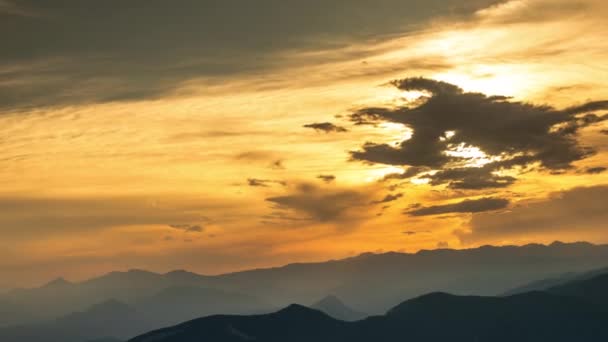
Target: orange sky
219,174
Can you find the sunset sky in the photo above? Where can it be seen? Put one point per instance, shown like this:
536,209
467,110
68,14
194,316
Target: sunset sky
222,135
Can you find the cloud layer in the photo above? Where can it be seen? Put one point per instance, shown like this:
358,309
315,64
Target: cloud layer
319,204
466,206
578,211
73,51
453,129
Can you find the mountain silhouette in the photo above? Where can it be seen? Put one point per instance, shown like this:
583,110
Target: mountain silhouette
293,323
180,303
115,319
534,316
593,290
335,308
110,318
545,284
393,277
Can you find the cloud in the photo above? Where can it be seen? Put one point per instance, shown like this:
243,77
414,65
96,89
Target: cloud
188,228
326,127
327,178
595,170
264,182
37,217
277,165
388,198
579,211
466,206
451,128
254,155
471,178
320,204
104,55
412,232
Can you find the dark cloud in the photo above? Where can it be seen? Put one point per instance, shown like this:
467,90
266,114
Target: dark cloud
326,127
579,211
188,228
450,120
264,182
73,51
388,198
277,165
320,204
595,170
604,131
412,232
254,155
466,206
471,178
327,178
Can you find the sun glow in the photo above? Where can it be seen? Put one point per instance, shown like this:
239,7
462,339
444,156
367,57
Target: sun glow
473,156
378,174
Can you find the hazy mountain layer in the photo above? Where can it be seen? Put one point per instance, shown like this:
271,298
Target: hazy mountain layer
534,316
369,283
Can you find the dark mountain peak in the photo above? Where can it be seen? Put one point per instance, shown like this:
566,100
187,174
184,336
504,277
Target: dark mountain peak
57,283
295,308
365,255
136,271
183,275
571,244
299,311
435,301
179,273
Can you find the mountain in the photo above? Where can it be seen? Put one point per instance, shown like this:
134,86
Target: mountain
12,313
110,318
534,316
544,284
295,323
592,290
335,308
118,320
60,297
486,270
180,303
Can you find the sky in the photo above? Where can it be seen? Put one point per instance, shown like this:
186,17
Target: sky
222,135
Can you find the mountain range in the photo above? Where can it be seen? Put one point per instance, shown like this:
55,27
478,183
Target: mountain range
370,283
574,311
